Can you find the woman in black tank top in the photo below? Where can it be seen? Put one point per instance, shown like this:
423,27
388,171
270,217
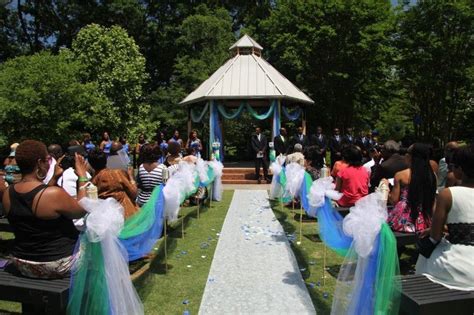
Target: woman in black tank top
41,216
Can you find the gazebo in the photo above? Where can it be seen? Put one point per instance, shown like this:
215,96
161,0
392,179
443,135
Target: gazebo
244,82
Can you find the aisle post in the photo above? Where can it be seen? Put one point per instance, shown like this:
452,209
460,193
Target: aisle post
166,249
199,206
182,227
301,223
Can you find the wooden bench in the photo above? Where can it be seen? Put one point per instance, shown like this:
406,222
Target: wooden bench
5,225
405,238
36,295
422,296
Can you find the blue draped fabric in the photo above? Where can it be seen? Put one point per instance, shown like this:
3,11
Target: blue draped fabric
363,297
140,245
276,119
292,116
215,129
330,229
305,187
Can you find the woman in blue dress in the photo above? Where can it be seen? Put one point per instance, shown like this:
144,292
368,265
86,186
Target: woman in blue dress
87,142
194,144
106,143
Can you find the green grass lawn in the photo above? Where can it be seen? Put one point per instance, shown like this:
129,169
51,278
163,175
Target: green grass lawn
189,262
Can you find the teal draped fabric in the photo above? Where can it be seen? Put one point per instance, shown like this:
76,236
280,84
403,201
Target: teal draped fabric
261,116
198,117
233,115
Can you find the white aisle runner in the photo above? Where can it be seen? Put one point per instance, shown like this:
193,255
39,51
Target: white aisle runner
254,270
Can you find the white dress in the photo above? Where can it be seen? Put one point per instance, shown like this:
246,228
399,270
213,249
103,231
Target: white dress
452,265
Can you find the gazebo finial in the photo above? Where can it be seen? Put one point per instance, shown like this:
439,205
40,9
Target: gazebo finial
246,45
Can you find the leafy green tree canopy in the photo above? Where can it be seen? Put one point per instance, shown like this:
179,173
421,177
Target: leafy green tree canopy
110,57
43,97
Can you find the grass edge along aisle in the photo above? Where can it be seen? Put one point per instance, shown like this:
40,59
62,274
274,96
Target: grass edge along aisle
368,281
100,281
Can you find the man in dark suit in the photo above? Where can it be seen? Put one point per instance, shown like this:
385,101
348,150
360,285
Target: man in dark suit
259,150
281,143
300,138
348,138
320,140
335,144
365,143
392,163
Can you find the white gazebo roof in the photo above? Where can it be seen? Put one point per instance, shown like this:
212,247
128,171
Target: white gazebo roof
247,76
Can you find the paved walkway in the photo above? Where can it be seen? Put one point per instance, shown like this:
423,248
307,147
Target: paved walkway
246,187
254,270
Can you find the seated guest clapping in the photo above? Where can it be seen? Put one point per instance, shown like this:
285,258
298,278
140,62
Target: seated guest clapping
114,183
352,181
150,172
41,216
448,260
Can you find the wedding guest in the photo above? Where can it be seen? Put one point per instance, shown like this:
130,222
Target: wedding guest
348,138
125,145
448,260
106,143
313,161
259,149
150,173
443,169
365,143
87,142
176,138
281,142
68,179
335,147
297,155
137,161
114,183
55,152
414,192
12,170
392,163
194,144
320,140
352,181
300,138
341,164
41,215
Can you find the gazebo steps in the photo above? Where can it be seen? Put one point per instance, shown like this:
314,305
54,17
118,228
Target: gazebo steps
240,181
240,175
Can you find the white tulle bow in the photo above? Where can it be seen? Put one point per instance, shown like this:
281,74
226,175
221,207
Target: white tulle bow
103,224
364,221
180,185
275,189
218,168
105,218
294,178
320,189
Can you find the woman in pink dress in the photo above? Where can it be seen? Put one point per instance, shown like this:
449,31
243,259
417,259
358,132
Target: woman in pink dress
414,192
353,180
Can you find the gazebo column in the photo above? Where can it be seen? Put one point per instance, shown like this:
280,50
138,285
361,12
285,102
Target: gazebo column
190,122
303,120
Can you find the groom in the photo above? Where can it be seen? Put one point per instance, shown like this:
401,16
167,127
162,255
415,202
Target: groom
259,150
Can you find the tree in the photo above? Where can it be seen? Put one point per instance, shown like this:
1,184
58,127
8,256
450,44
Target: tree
339,52
110,58
203,41
436,45
42,97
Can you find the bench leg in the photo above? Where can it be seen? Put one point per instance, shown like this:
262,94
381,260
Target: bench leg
31,309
